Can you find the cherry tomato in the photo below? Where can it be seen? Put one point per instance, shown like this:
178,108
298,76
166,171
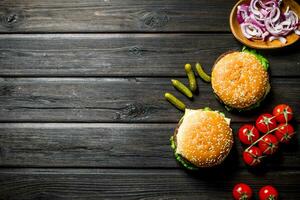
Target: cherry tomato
248,134
253,156
242,191
283,113
268,192
268,144
284,132
265,123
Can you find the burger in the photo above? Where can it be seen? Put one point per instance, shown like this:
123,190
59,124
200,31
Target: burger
203,138
240,79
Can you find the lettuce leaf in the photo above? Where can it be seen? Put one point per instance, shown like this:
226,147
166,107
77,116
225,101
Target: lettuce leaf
181,159
207,109
262,59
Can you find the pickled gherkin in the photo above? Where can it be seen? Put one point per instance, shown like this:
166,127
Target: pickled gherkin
202,73
176,102
182,88
191,76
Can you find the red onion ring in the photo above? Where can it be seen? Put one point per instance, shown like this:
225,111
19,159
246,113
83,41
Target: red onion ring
263,19
251,30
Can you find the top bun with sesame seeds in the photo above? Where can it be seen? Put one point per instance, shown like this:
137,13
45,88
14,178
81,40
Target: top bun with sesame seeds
203,138
240,79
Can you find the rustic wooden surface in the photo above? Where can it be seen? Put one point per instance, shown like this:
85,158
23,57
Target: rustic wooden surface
100,54
82,114
94,184
114,16
130,99
109,145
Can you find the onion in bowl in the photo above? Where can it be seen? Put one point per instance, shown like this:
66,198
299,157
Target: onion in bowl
263,20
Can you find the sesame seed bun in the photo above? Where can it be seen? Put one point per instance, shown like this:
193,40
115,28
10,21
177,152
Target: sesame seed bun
203,137
239,80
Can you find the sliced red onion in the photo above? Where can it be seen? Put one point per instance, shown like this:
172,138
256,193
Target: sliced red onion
265,34
240,19
263,19
242,13
272,3
275,31
253,20
251,30
268,4
294,17
262,4
281,39
272,38
254,8
276,14
264,12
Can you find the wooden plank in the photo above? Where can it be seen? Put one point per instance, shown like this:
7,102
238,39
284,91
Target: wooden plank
114,16
117,99
25,184
110,145
124,54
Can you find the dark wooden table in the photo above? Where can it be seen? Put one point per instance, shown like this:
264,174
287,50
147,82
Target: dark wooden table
81,100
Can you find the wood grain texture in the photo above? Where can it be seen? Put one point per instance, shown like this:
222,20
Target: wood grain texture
82,113
114,16
55,184
118,99
122,55
111,146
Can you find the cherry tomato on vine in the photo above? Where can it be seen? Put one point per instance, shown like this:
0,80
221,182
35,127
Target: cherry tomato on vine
265,123
252,156
283,113
268,144
248,134
268,192
242,191
284,133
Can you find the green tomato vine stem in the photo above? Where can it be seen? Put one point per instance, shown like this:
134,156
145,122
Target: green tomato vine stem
268,132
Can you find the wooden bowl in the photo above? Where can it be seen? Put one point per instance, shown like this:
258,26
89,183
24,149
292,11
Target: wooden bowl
260,44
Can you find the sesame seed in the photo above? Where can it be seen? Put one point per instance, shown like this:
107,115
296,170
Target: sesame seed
204,138
239,79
